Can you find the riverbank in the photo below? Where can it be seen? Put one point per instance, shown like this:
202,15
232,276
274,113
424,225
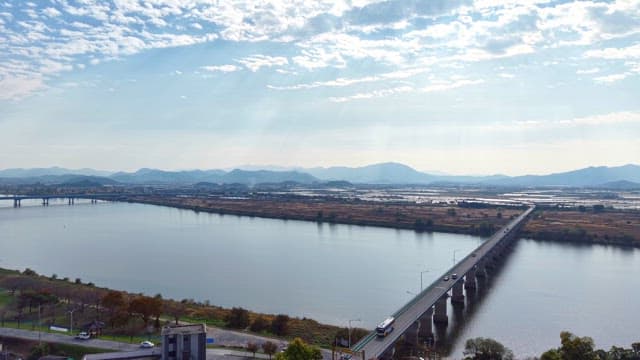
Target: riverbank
609,227
126,317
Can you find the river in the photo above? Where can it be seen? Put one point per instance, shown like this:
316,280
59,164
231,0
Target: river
331,273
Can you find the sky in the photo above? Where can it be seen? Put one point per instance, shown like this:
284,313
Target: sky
456,86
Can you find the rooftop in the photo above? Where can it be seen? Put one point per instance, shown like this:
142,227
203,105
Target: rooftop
184,329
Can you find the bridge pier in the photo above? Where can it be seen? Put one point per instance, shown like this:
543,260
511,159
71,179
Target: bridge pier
470,279
440,314
16,203
426,330
71,201
411,334
480,270
45,201
457,297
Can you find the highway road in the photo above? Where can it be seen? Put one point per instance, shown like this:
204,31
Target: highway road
374,346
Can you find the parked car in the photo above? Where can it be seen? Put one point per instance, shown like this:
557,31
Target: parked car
345,357
83,336
147,344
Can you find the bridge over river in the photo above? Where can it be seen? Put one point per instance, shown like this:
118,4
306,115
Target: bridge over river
413,320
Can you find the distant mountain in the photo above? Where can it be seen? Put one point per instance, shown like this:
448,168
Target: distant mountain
620,185
154,176
64,180
384,173
392,173
591,176
621,177
266,176
34,172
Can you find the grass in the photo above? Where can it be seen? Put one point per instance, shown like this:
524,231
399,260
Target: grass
5,298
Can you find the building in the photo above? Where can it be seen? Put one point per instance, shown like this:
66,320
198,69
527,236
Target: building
184,342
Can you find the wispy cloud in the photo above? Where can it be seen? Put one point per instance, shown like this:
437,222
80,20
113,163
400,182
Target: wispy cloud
221,68
255,62
342,82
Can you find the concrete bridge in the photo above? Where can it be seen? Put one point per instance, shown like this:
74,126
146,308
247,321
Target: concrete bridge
414,320
71,198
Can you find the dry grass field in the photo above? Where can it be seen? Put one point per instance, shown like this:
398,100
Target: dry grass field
483,221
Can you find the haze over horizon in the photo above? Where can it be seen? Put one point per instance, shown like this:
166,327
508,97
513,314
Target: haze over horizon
460,87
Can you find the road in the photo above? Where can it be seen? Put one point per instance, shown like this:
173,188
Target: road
374,346
66,339
222,337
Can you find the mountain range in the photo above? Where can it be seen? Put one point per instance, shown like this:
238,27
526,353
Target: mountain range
620,177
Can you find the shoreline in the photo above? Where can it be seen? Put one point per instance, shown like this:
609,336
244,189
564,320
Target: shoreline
563,235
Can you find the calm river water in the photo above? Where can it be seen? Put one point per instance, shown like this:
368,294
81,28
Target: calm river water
331,273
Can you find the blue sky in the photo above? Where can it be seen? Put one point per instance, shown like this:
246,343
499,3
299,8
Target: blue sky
458,86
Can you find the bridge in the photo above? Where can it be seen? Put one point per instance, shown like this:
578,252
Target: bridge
71,198
413,320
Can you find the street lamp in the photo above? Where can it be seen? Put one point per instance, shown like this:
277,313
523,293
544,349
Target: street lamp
454,255
422,272
71,320
350,330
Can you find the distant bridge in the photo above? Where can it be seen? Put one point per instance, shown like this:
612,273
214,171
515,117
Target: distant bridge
413,320
71,198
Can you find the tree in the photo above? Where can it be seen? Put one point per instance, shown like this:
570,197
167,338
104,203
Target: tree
113,301
269,348
552,354
280,325
576,348
252,348
299,350
238,318
486,349
29,272
259,324
143,307
175,309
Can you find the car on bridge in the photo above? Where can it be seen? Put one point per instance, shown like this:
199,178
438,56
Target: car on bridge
454,276
446,278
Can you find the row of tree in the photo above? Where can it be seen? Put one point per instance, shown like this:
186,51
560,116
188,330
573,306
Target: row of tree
572,347
239,318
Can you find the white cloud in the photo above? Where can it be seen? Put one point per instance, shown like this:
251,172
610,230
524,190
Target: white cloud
221,68
15,88
630,52
449,85
587,71
506,75
255,62
373,94
608,79
342,82
51,12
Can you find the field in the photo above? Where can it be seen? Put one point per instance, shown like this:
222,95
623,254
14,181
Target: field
421,217
606,227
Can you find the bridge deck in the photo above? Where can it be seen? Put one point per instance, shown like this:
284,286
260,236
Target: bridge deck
374,346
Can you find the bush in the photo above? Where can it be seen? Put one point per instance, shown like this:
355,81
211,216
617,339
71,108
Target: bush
238,318
280,325
259,324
